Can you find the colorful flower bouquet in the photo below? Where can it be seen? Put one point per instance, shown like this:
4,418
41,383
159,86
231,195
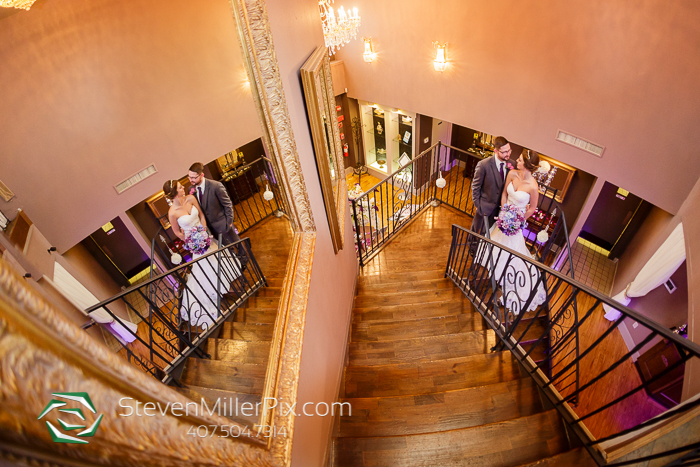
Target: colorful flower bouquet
198,241
511,219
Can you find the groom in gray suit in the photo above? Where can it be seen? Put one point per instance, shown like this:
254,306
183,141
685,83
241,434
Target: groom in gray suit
215,202
487,185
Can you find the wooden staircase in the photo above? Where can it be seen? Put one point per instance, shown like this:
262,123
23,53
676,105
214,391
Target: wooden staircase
239,354
424,386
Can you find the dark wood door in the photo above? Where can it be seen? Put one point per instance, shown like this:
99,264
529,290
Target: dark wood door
666,390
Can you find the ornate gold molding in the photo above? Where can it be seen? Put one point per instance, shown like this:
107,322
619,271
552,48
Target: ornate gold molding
263,73
341,199
282,376
42,352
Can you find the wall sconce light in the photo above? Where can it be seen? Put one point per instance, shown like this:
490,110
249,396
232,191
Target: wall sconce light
369,55
440,62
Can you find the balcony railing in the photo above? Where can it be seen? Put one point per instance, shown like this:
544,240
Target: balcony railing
590,381
177,311
383,210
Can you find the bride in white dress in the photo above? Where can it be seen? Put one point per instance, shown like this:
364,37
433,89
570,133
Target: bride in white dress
199,301
516,278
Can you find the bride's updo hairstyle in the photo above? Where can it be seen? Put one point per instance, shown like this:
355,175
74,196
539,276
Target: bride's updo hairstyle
170,189
531,160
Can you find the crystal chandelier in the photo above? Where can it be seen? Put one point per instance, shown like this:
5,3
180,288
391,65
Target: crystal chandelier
337,30
23,4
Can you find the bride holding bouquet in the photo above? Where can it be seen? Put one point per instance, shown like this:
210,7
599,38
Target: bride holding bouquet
516,278
200,300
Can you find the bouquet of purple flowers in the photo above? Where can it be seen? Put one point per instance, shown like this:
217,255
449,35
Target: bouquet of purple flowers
511,219
198,240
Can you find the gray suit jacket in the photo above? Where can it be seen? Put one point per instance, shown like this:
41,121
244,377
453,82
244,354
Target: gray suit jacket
487,187
217,207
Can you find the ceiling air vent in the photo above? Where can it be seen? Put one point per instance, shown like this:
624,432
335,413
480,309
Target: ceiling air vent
580,143
134,179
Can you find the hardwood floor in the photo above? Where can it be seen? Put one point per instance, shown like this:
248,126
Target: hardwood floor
424,387
635,409
381,215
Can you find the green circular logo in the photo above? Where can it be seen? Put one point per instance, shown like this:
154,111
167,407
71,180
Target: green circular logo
74,415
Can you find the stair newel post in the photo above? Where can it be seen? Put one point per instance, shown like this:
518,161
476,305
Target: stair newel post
358,235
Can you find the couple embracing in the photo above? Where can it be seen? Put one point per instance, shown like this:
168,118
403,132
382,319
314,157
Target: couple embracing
507,196
208,206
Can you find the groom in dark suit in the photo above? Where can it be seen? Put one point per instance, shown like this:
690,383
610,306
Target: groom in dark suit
487,185
215,202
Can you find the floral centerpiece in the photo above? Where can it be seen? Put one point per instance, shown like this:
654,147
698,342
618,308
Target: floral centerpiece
511,219
198,241
355,192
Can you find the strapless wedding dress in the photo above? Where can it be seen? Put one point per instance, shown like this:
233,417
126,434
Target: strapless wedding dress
517,279
199,301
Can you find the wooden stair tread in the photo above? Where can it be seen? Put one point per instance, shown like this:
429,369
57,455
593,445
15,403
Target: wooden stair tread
269,292
256,315
420,327
247,331
229,376
445,307
450,410
409,264
574,458
211,396
234,350
387,278
430,377
263,302
405,298
512,442
407,286
421,349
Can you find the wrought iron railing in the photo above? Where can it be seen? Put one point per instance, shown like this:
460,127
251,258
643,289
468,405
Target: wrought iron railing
381,212
179,309
594,385
246,186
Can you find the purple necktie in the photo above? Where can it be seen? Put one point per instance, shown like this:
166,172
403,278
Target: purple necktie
199,193
503,175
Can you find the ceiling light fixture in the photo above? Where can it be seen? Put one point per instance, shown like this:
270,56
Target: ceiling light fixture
337,31
21,4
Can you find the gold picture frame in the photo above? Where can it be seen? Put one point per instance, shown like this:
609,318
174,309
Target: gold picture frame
320,104
562,179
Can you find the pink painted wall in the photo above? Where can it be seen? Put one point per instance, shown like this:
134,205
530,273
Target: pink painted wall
618,73
646,241
655,230
296,31
96,90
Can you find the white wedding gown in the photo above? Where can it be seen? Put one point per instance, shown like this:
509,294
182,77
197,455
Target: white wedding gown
520,278
199,301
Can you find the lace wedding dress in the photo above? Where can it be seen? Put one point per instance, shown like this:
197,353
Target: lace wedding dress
516,278
199,301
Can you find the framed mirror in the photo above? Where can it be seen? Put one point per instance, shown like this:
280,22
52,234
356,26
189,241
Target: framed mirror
560,176
320,105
